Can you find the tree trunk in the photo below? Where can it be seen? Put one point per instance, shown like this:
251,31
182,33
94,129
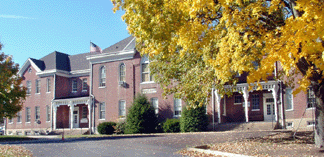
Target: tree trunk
319,115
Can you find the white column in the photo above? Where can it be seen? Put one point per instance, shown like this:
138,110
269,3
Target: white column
274,90
71,114
89,113
218,101
246,98
54,117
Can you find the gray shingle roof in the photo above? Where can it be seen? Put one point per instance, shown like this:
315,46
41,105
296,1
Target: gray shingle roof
124,45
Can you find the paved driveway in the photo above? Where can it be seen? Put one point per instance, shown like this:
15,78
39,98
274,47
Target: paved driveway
143,145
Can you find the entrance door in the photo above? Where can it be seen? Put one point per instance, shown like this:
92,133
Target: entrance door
76,117
268,108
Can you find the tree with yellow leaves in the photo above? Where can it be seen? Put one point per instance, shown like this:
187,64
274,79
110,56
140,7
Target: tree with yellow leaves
216,39
12,93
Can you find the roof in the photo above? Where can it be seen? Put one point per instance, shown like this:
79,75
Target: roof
124,45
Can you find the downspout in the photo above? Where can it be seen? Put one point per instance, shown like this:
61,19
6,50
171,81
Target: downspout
213,108
91,98
54,92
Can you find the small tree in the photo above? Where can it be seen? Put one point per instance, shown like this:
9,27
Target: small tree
141,117
171,125
194,119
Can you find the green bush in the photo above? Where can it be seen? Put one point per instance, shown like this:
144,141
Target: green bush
106,128
120,128
171,125
141,117
194,119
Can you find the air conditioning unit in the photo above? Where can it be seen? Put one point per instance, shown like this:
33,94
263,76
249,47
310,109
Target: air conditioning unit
122,83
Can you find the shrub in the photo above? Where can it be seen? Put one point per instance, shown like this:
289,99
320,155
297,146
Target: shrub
120,128
171,125
106,128
141,117
194,119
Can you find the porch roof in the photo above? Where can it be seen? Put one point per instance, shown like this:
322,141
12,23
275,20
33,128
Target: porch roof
71,101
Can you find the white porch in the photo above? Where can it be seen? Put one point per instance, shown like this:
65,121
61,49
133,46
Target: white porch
70,112
272,102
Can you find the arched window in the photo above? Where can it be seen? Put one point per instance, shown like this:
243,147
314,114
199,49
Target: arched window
146,77
122,72
102,75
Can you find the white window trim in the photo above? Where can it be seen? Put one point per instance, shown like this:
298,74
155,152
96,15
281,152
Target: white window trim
49,113
76,86
312,125
27,114
84,90
100,111
145,60
119,116
292,125
11,121
47,85
20,117
29,87
176,116
292,101
157,105
241,100
100,76
119,72
37,84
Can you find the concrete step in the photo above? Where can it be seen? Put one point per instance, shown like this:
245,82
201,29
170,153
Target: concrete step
245,126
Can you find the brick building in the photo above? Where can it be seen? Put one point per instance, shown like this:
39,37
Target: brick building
81,91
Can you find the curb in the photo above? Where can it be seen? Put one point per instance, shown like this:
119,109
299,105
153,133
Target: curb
214,152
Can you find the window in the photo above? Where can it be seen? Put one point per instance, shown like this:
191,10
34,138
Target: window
84,84
311,100
28,84
48,113
27,114
102,113
289,99
29,70
10,121
290,124
310,123
74,85
37,85
122,72
255,102
48,85
84,112
102,81
146,77
237,99
37,113
122,109
155,104
177,107
19,117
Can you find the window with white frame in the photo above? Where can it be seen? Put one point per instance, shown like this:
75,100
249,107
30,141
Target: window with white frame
27,114
122,72
84,111
102,77
84,84
28,85
48,85
289,99
255,102
155,104
102,110
10,121
146,76
177,107
37,85
30,70
237,99
310,123
74,85
122,109
37,113
48,113
19,117
311,99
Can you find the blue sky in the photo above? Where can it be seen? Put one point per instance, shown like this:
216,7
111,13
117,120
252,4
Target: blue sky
35,28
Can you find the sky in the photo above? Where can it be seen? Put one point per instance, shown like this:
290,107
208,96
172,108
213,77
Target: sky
35,28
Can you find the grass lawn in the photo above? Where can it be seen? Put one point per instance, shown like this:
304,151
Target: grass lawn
6,138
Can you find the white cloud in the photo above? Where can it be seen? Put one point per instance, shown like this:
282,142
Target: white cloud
15,17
